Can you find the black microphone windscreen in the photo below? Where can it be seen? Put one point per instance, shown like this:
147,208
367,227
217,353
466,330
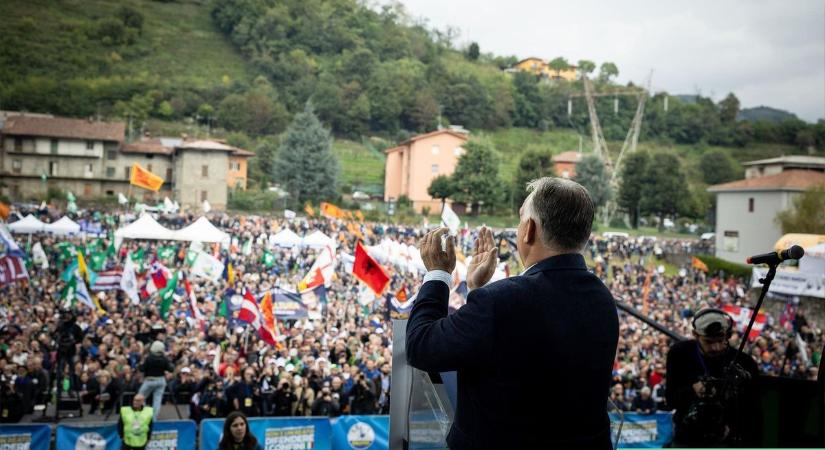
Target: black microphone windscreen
796,252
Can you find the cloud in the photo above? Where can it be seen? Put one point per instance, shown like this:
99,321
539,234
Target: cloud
766,52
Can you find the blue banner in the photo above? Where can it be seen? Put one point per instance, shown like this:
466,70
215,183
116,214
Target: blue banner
279,433
166,435
25,437
643,430
360,432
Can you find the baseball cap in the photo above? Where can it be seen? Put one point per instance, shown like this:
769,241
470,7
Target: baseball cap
712,324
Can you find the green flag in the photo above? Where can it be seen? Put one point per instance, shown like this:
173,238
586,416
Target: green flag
138,258
69,290
68,274
247,247
167,295
223,311
166,252
29,254
66,249
97,261
268,259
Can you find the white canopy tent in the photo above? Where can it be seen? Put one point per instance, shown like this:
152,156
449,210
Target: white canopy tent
317,239
145,227
63,227
27,225
285,238
201,230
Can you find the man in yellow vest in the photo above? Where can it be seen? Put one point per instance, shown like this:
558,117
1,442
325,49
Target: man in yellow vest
135,424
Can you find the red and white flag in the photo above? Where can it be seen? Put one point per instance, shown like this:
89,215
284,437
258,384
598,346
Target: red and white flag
742,316
108,280
158,278
321,271
251,314
12,269
193,303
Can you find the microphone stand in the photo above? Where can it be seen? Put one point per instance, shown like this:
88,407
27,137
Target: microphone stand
766,285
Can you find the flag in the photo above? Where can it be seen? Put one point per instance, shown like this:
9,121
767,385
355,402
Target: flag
12,249
742,315
697,263
206,266
321,270
246,250
71,206
331,211
369,271
289,214
250,314
12,269
87,274
128,281
4,211
309,210
398,308
158,275
75,289
166,252
401,294
141,177
193,302
39,256
108,280
646,290
168,206
314,299
268,313
122,199
97,260
359,215
228,272
206,206
167,294
450,219
139,258
268,259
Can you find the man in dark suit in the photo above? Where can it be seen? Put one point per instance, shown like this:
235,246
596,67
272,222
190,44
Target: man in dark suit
556,319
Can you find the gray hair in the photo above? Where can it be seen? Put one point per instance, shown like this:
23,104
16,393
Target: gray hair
562,209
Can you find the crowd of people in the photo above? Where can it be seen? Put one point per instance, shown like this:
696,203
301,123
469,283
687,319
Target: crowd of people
338,363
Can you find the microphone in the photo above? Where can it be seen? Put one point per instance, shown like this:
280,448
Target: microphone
773,258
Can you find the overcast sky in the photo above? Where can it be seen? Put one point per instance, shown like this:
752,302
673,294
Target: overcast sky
766,52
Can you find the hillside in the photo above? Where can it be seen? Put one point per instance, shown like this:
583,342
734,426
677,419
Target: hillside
765,113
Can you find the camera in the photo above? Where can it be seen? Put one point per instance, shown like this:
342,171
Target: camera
706,419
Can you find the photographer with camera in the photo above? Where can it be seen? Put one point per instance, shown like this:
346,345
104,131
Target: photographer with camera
714,400
363,396
284,399
325,404
67,336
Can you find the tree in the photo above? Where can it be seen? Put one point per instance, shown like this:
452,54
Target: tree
441,187
586,67
630,188
533,165
806,214
305,165
476,175
591,173
665,189
473,52
805,138
717,167
729,109
559,64
262,166
607,71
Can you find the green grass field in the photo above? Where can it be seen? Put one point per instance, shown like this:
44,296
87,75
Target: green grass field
361,167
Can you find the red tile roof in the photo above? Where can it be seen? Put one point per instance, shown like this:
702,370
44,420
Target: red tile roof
789,180
242,152
569,157
61,127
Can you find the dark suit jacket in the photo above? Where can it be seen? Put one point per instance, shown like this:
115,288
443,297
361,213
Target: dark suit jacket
534,356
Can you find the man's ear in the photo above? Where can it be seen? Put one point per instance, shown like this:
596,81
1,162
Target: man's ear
530,232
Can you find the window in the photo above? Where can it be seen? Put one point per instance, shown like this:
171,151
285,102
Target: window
52,168
89,170
149,167
111,155
750,205
18,144
204,171
435,168
110,172
90,145
54,146
236,166
203,196
110,193
87,190
436,150
458,151
126,171
168,174
730,241
16,165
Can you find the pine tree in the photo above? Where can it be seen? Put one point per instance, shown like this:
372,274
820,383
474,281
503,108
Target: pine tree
630,190
305,166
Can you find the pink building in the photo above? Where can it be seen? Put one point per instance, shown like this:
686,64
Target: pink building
565,163
412,165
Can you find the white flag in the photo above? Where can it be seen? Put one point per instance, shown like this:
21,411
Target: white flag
289,214
206,266
206,206
122,199
128,281
168,205
450,219
82,293
39,256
